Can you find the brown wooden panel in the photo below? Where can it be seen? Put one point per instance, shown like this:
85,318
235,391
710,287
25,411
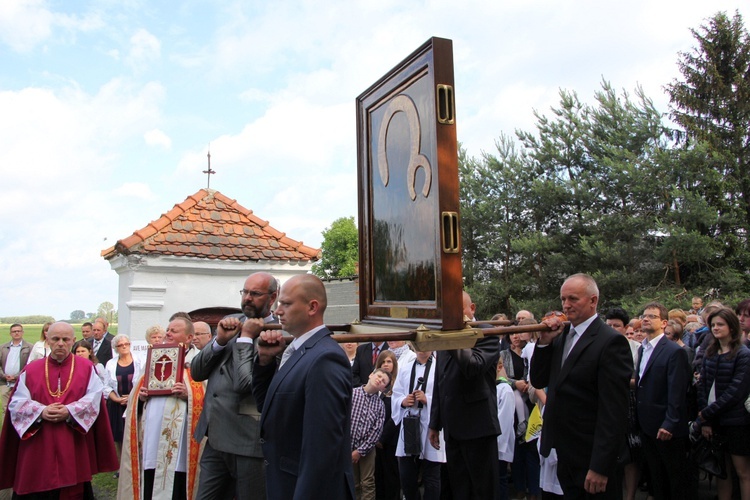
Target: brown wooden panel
410,259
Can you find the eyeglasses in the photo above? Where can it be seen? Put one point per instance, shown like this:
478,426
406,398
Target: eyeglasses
650,316
123,344
253,293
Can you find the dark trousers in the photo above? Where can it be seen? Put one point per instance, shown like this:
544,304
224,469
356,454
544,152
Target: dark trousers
572,480
667,463
226,475
525,470
179,487
502,480
409,469
471,470
386,474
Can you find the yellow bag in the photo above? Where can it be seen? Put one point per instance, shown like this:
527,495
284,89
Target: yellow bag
534,428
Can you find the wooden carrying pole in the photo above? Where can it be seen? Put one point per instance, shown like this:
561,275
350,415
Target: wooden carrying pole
503,327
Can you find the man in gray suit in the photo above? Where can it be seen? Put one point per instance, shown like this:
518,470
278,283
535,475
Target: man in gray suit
232,460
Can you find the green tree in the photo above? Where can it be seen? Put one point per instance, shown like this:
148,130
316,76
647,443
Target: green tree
712,103
107,311
340,250
587,192
77,315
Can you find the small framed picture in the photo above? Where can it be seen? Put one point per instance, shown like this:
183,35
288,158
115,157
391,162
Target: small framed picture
164,364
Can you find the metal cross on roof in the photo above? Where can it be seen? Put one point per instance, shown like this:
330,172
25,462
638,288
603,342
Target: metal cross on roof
209,171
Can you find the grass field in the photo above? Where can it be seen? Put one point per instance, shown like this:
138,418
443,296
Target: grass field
32,333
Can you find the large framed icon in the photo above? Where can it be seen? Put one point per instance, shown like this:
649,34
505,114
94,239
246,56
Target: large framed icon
410,254
164,364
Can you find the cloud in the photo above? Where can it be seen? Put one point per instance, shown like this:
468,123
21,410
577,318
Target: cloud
24,23
139,190
293,134
255,95
145,48
156,137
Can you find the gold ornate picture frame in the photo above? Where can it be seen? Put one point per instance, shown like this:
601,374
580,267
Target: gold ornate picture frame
164,364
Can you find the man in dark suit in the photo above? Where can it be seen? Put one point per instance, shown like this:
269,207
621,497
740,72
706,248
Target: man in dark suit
661,382
232,460
305,405
464,406
102,345
364,361
586,368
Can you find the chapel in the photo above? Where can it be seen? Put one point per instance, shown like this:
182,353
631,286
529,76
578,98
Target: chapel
195,258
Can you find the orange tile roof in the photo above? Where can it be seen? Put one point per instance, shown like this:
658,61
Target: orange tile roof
212,226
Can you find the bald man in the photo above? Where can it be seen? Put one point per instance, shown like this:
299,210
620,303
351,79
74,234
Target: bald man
305,400
586,367
202,334
56,412
232,460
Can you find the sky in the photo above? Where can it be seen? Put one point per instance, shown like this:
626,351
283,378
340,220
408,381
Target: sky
108,107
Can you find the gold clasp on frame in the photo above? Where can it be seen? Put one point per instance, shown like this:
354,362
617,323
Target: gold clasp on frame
446,106
450,232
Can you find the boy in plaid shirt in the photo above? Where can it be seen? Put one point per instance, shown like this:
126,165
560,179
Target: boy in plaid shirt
368,416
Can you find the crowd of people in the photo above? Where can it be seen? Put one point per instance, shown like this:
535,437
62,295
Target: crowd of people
599,404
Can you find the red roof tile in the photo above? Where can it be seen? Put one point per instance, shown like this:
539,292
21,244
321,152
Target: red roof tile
212,226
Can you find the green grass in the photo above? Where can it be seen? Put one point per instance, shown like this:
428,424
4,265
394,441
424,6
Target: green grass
105,486
31,333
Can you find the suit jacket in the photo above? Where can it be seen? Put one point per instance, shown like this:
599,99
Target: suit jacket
5,349
661,393
305,428
586,415
363,366
105,351
230,416
464,403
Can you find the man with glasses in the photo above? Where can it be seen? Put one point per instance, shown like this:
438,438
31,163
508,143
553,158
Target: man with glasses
661,383
232,461
202,336
13,357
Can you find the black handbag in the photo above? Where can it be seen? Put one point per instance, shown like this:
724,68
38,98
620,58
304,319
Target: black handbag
411,424
412,434
709,456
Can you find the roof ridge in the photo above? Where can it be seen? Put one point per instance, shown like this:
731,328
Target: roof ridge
209,224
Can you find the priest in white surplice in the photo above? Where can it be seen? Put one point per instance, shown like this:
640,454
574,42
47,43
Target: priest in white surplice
169,467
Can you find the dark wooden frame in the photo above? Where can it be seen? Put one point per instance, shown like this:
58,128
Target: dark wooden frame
154,386
429,68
